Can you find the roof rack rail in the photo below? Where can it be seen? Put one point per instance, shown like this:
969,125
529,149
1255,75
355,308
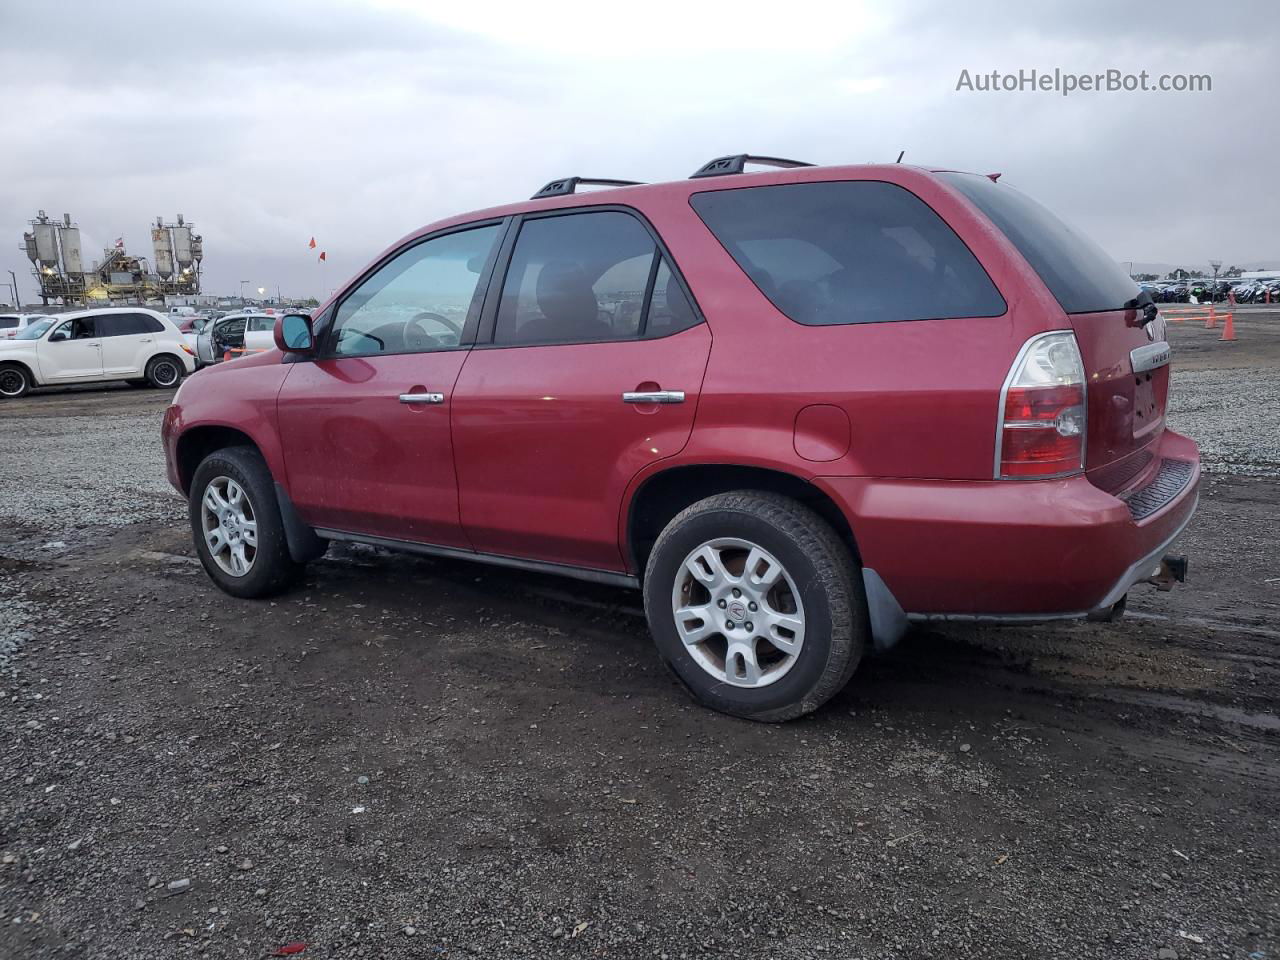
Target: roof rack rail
721,166
560,188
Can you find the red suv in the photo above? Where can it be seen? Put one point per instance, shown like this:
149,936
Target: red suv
798,408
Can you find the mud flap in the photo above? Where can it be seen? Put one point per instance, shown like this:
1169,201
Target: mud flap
888,621
304,544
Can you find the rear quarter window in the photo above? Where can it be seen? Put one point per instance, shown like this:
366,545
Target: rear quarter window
1079,273
853,251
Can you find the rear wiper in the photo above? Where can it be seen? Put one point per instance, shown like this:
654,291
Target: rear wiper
1149,309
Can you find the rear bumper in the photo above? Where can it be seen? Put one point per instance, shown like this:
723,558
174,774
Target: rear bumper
1010,550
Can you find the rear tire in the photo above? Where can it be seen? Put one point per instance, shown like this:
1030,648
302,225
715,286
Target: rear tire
236,525
164,371
14,381
756,605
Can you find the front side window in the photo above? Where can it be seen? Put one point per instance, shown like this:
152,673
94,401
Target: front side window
853,251
419,301
82,328
577,278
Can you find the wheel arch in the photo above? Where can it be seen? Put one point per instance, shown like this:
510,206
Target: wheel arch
659,497
198,442
25,367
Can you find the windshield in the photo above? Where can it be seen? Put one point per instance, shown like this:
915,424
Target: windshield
35,331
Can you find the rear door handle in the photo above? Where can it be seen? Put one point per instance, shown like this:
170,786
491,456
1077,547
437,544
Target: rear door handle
422,398
654,396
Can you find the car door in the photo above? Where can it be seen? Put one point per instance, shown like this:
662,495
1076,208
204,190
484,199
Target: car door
126,343
365,426
71,351
588,368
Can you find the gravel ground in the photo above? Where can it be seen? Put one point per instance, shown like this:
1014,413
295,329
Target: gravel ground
413,758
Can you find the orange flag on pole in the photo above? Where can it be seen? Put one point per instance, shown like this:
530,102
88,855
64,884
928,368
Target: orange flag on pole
322,256
312,244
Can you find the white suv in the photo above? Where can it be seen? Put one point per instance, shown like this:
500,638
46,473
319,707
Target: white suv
91,346
11,324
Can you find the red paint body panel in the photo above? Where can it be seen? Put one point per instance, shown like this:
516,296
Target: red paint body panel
535,455
1008,547
359,460
546,447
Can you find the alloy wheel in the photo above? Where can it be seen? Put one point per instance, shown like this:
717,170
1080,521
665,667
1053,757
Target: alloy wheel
229,525
738,612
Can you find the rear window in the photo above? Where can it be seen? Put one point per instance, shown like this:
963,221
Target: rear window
8,323
849,252
1079,273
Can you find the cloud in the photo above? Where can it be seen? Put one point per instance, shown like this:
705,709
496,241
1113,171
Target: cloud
268,123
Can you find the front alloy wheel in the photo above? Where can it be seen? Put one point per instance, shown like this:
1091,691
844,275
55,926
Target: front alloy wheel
230,526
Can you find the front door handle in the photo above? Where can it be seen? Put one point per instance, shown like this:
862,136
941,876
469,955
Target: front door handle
654,396
422,398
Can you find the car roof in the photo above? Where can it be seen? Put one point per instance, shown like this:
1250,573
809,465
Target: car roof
99,311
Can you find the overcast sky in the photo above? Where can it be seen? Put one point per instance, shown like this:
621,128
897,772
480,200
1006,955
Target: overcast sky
268,122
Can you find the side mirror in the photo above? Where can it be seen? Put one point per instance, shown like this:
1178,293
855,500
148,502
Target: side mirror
58,336
293,333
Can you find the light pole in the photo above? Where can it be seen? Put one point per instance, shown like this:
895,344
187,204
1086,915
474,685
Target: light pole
242,283
1217,265
17,300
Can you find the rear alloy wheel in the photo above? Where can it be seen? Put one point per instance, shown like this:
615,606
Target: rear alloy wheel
756,605
14,382
164,372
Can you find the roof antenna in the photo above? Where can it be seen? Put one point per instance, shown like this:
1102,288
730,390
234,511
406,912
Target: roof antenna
900,154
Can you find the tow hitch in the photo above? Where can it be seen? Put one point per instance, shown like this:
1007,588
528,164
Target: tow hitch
1172,569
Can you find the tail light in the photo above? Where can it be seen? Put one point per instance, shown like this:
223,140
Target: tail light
1042,411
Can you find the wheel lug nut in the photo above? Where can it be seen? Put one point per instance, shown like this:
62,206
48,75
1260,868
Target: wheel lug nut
752,606
720,604
737,592
729,625
750,625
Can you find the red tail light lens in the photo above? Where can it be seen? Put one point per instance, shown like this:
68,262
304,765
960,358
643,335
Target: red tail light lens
1042,415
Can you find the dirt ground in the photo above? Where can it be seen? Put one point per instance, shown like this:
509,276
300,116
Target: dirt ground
418,758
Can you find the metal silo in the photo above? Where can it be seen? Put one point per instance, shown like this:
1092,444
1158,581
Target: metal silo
72,261
182,245
47,242
162,244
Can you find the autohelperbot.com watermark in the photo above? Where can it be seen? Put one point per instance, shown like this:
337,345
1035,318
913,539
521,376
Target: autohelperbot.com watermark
1065,82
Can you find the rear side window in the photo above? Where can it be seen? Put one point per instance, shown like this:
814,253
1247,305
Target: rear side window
587,278
126,324
1079,273
8,323
849,252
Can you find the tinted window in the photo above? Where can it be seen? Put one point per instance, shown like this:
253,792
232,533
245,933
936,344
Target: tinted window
849,252
1076,270
577,278
670,310
418,301
126,324
8,323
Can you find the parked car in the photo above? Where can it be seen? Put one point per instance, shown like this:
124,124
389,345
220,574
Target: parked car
11,324
88,346
232,333
925,399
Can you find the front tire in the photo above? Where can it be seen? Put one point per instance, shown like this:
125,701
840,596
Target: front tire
756,605
236,525
164,371
14,381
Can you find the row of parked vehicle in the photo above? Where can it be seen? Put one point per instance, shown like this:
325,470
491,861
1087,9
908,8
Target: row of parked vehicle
139,346
1209,291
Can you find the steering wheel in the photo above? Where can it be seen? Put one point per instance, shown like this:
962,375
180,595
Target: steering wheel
416,336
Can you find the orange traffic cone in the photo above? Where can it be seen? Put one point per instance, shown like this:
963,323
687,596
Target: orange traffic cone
1211,321
1228,329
